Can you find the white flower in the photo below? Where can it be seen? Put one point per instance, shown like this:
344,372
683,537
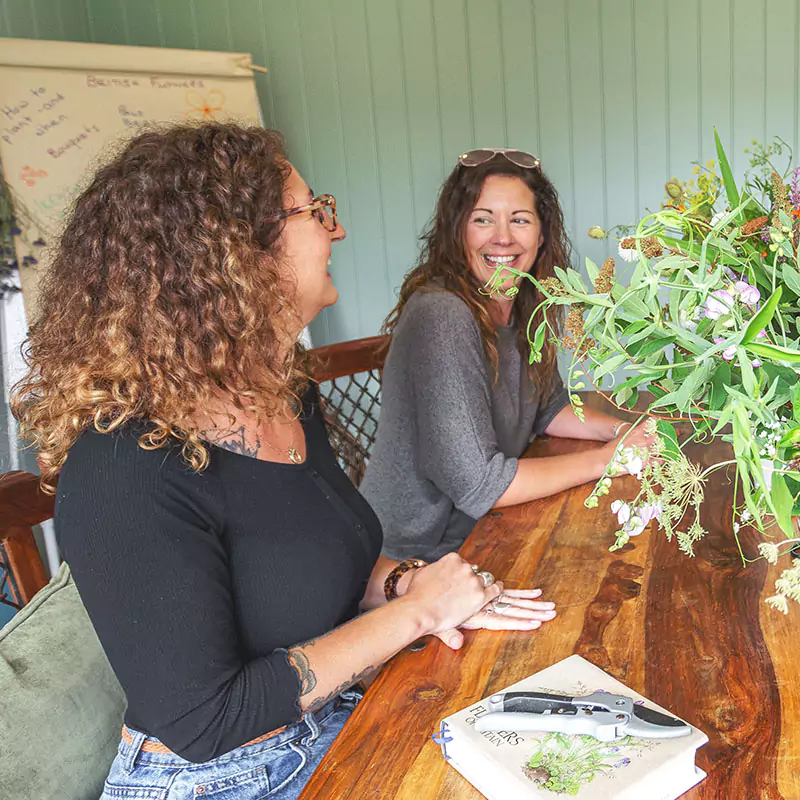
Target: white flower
686,322
716,218
627,255
768,467
748,294
622,510
770,551
745,515
719,304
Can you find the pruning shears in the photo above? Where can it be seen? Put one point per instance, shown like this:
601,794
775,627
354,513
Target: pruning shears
607,717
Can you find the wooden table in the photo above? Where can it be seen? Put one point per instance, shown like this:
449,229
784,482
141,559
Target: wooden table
694,635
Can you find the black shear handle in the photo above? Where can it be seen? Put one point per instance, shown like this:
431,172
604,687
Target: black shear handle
537,703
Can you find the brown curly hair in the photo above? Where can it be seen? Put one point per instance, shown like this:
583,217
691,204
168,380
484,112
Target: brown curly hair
166,289
443,261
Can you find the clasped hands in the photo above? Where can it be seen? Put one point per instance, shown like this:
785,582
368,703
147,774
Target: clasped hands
457,595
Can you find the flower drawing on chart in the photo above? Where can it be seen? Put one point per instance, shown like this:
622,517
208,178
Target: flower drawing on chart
28,175
205,106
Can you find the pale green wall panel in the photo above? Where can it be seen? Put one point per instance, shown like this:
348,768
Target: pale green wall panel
376,98
179,24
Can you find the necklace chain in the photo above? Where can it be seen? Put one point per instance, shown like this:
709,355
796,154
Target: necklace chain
290,451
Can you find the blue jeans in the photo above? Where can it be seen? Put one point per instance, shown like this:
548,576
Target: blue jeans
277,768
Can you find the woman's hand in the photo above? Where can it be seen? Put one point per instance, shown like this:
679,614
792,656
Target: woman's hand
637,439
448,593
513,610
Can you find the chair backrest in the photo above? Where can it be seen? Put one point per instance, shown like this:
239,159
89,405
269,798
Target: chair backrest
22,505
349,377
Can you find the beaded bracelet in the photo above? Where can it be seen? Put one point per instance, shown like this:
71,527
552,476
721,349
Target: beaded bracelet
393,578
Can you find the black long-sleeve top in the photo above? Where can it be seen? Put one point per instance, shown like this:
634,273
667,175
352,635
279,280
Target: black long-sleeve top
197,582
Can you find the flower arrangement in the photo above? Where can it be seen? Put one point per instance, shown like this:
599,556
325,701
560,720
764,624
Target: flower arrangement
705,317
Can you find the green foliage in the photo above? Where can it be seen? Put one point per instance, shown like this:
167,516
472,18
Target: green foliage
707,321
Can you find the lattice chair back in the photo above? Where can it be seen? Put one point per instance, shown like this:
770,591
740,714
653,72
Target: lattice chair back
349,378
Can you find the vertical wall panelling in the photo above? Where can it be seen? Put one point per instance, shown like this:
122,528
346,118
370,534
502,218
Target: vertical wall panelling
485,48
248,35
780,94
716,81
587,112
384,39
179,24
455,81
651,101
326,160
519,87
361,162
145,26
553,81
620,189
73,20
213,24
108,21
683,60
377,99
429,163
749,78
20,18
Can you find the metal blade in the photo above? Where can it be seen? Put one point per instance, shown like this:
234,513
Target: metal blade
647,723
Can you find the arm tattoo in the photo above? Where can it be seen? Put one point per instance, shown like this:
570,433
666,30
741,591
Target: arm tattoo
299,660
317,704
234,440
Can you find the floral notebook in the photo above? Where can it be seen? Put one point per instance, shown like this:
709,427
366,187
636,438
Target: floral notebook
510,765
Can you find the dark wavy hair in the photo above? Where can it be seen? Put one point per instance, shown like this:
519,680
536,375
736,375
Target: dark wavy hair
165,290
443,260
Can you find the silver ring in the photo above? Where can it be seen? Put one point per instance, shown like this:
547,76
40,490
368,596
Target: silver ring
475,568
486,577
488,610
500,606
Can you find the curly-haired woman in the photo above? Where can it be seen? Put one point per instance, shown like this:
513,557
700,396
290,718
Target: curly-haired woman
460,402
221,553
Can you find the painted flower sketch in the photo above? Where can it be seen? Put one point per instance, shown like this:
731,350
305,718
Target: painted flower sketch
562,764
702,322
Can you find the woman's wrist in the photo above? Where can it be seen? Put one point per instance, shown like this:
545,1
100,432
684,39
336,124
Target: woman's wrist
399,578
405,581
618,428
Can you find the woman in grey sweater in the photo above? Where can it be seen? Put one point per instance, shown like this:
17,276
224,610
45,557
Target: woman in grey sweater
460,401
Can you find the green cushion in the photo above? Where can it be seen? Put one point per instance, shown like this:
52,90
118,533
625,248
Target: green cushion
60,705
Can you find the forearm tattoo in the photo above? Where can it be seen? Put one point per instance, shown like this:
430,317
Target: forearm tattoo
316,705
308,680
299,660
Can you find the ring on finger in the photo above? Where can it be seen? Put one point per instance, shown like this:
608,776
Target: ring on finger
475,568
500,605
486,577
488,611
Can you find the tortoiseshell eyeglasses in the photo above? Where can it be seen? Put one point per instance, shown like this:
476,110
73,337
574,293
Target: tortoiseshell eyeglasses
322,208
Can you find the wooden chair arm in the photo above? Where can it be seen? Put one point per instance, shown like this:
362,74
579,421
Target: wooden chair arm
347,358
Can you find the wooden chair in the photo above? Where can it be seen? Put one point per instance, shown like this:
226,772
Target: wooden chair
349,377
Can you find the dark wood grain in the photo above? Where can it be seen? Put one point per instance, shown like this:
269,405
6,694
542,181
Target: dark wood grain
692,634
346,358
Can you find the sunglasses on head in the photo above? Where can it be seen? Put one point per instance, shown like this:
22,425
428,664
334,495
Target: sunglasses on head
474,158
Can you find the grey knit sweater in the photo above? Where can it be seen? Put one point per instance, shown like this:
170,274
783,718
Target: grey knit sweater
449,436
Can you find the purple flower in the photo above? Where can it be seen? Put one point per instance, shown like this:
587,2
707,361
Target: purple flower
729,353
756,362
748,294
719,304
651,512
794,188
623,762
